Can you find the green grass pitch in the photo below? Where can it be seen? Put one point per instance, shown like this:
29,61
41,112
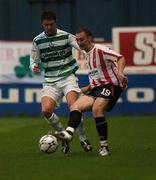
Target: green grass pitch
132,143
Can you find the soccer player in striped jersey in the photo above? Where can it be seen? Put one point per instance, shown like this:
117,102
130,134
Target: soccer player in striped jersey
107,82
53,49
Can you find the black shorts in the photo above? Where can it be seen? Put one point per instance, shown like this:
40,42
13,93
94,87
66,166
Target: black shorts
107,91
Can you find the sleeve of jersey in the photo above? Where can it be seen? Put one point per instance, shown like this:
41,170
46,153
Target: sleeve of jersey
72,42
112,55
34,56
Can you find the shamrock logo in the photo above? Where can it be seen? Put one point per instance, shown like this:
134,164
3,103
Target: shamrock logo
24,70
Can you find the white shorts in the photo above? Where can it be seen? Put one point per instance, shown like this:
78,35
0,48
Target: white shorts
61,88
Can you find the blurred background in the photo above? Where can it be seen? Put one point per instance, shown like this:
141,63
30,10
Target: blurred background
128,26
20,19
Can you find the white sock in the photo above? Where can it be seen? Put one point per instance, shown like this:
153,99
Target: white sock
81,131
55,122
103,143
70,130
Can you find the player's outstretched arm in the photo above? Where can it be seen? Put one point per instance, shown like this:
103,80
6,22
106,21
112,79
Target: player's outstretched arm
120,73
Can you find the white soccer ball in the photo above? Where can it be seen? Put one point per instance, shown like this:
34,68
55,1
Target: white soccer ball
48,143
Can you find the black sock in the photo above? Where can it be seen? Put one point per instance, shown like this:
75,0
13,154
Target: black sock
101,126
74,119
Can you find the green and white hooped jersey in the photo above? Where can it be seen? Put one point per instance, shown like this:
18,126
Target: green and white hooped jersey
55,55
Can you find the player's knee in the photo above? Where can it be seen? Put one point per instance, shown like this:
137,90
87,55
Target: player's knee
97,112
74,107
46,113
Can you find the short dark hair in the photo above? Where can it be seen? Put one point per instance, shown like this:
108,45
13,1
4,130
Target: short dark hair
87,31
48,15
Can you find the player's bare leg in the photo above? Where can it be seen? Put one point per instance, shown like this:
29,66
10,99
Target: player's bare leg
47,108
71,98
98,109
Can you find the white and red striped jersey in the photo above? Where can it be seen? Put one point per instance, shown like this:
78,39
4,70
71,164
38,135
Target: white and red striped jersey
102,68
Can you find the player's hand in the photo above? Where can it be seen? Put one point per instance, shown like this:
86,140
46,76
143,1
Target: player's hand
85,89
36,68
123,80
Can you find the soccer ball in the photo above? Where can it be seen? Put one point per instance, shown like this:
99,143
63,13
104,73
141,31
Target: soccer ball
48,143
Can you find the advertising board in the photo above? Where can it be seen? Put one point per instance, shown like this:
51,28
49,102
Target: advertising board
138,45
20,88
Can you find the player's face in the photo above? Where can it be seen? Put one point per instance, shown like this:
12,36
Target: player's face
49,27
83,41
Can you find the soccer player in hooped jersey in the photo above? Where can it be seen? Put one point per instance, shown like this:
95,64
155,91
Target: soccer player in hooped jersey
107,82
53,48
